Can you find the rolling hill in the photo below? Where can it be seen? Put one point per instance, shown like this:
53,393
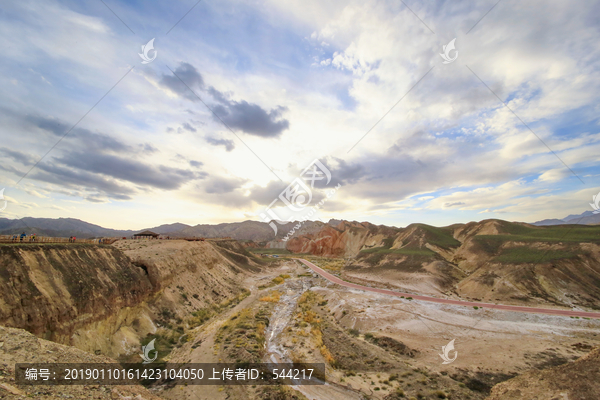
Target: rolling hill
490,260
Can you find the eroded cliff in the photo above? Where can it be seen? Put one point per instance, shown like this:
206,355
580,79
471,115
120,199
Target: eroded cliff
107,299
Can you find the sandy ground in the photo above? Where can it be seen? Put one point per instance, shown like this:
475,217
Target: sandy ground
488,342
205,334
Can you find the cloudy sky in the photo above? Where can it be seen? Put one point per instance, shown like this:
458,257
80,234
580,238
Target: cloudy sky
242,96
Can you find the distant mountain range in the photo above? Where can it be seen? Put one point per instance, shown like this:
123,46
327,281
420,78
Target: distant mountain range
586,218
65,227
247,230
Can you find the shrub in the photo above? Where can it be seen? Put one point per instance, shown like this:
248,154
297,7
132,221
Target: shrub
273,296
327,355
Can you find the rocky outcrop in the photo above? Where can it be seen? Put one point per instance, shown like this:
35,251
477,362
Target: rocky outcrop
19,346
53,290
104,299
344,240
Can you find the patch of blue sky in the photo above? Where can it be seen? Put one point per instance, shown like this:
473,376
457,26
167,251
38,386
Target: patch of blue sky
466,130
576,122
523,93
245,38
343,94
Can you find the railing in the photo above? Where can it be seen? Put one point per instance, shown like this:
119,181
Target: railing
49,239
201,239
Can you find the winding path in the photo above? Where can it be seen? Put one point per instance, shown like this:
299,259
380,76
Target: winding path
535,310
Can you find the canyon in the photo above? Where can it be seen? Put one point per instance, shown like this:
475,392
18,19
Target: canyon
227,300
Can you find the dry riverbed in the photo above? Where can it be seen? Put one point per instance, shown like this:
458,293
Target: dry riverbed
375,346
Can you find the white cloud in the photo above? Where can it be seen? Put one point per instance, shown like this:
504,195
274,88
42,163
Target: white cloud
450,141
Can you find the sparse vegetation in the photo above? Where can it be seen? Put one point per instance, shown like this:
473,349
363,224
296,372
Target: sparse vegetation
273,296
243,336
269,251
204,314
278,280
526,254
406,251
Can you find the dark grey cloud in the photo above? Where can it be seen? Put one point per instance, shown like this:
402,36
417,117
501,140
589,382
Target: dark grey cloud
11,169
73,179
219,185
227,191
247,117
456,203
96,165
218,96
95,199
252,119
148,148
229,144
196,164
17,156
342,172
347,173
188,127
187,73
98,141
265,195
127,169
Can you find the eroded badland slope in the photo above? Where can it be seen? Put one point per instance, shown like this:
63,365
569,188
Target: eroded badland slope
491,260
579,380
108,299
19,346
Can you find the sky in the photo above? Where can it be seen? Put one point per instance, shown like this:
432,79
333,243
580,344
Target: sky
223,119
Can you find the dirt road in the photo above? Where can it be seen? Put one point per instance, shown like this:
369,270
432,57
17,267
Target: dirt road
536,310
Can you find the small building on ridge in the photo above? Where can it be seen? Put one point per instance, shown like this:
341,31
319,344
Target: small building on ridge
146,235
